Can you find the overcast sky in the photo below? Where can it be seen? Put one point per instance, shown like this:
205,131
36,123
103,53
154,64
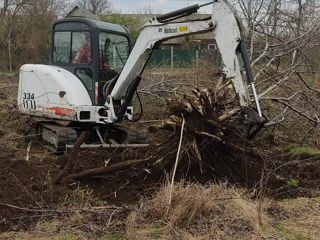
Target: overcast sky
156,6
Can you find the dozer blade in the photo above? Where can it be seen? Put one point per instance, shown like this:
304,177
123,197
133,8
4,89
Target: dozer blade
60,138
105,145
251,123
118,137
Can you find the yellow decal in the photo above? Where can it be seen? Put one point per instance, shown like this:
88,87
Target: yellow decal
183,29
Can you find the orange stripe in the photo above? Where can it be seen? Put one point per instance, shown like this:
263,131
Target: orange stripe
96,94
58,110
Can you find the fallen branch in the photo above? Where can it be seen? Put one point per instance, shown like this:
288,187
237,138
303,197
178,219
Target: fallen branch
106,170
93,209
74,154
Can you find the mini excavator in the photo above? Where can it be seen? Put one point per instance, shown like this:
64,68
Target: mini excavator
94,74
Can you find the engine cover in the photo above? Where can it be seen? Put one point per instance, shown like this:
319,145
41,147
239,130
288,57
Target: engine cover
51,92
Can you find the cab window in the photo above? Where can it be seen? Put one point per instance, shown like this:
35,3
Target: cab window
72,46
86,76
61,48
113,51
81,50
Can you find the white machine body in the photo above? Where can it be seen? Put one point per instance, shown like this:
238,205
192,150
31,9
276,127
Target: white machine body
54,93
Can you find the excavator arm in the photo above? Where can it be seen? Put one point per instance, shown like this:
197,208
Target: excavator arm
227,31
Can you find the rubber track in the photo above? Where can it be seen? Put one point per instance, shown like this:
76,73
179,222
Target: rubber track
59,138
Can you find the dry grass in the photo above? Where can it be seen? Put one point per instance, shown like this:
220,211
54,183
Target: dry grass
80,216
219,211
303,221
215,211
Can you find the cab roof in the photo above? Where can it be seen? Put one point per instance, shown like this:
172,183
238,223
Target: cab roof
79,23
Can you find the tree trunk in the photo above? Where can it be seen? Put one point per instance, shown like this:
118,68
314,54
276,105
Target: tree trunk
9,55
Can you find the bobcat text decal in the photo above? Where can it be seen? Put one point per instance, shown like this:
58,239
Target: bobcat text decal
170,30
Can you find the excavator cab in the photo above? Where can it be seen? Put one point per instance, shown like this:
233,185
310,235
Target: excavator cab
94,51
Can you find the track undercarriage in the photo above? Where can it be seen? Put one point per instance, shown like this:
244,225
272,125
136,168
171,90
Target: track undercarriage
60,138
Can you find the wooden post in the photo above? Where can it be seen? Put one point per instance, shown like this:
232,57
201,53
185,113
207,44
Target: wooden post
197,59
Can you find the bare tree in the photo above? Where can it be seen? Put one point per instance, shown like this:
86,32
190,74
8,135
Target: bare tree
52,7
96,7
283,40
24,30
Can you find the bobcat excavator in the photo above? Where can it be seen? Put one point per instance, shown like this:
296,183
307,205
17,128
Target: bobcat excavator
94,74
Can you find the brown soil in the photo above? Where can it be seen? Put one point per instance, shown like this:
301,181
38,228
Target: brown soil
23,184
28,184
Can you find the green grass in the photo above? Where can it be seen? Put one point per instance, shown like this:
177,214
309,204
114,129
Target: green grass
66,237
317,199
293,182
155,231
112,236
304,150
291,234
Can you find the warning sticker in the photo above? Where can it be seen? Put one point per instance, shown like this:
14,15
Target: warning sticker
183,29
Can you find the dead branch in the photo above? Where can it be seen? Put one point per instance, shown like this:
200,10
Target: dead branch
317,120
176,164
73,158
106,170
37,210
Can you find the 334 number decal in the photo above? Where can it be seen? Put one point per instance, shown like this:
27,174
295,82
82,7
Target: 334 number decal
28,101
28,96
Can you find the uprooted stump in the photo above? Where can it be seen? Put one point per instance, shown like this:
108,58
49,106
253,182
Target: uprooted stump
211,134
212,145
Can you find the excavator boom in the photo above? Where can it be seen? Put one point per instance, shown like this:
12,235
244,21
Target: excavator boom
227,32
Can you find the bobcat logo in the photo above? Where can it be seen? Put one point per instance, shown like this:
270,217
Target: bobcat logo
170,30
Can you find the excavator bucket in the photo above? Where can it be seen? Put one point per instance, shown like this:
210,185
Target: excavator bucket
250,123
